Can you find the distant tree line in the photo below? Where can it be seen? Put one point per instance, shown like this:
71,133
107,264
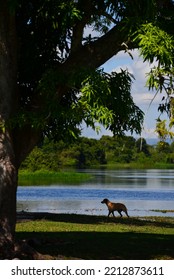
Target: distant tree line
86,152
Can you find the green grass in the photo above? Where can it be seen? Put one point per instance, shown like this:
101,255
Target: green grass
139,165
97,237
43,177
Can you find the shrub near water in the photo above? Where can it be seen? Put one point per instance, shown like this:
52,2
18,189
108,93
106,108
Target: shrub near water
107,151
27,178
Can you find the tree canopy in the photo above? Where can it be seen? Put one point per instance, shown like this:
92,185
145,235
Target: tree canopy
59,79
58,54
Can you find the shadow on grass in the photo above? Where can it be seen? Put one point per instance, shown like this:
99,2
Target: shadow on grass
102,245
87,219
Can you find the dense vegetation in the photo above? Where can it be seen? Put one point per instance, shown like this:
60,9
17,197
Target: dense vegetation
111,151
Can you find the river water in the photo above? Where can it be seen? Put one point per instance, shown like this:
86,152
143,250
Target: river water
143,192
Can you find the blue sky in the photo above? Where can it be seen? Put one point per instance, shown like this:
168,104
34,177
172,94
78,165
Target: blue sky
141,95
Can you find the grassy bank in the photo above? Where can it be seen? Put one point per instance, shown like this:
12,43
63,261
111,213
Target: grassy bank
45,177
139,165
97,237
41,177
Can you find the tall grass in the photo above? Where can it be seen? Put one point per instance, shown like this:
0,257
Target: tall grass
44,177
139,165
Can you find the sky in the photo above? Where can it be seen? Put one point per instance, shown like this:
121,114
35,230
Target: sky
140,93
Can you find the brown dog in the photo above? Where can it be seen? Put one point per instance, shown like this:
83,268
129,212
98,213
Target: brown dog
119,207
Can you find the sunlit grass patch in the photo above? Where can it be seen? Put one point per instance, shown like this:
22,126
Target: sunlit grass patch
44,177
97,237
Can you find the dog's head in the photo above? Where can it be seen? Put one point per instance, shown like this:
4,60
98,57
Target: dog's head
105,200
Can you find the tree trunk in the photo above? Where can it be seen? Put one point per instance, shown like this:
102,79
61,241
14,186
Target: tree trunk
8,170
8,186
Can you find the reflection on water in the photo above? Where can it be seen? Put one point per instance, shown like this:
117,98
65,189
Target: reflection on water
140,190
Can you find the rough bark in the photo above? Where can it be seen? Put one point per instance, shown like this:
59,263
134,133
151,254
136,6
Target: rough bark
8,185
8,171
24,140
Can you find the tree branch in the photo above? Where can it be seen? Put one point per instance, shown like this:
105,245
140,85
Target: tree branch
77,36
96,53
78,29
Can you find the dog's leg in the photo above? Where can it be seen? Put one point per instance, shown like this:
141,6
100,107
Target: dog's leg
119,211
126,214
109,213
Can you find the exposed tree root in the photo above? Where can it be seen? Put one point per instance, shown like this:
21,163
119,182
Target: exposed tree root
19,250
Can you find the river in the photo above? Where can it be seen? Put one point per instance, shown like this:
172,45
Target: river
142,191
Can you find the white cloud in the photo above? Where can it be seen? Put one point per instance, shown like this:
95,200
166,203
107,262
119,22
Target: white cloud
147,133
148,98
90,133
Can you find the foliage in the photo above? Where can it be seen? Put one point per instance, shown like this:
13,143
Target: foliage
106,98
162,130
142,146
153,46
39,160
55,100
50,32
157,45
126,115
53,155
108,151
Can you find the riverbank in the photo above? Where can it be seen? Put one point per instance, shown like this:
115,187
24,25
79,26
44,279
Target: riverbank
71,176
69,236
45,177
139,165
